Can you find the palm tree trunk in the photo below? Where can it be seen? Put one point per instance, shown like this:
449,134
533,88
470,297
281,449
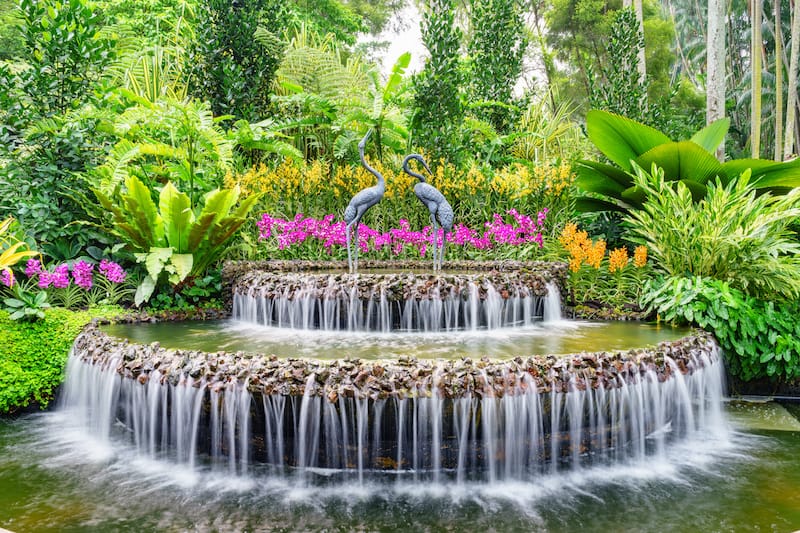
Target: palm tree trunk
791,108
756,45
715,58
776,7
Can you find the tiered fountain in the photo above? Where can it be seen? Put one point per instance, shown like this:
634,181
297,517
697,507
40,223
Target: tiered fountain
393,408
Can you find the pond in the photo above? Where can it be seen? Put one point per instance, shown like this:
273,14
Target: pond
55,478
553,337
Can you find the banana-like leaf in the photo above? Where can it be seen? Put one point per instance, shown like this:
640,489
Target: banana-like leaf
142,213
682,160
396,77
176,212
710,137
621,139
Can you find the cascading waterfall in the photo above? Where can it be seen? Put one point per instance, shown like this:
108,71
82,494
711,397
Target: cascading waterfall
314,306
489,421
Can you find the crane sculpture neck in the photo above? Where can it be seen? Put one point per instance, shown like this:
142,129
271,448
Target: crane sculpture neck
361,146
410,172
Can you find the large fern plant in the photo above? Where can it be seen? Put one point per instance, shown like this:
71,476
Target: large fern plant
175,239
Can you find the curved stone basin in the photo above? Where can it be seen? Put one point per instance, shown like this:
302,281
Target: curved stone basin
465,418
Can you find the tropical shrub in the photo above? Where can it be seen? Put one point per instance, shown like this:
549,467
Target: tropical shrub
177,237
33,355
732,234
613,280
759,338
628,144
166,140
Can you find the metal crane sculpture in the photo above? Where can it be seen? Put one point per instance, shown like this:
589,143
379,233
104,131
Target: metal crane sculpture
359,204
437,205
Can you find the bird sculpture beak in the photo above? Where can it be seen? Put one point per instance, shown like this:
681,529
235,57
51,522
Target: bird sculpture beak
424,164
363,143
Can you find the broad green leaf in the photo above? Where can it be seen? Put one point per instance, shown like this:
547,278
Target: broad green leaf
155,261
142,212
682,160
592,181
396,77
245,206
199,230
590,173
765,173
183,264
176,212
587,204
710,137
144,291
634,196
621,139
698,190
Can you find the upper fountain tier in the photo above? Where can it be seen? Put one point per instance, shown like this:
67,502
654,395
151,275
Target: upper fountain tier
391,295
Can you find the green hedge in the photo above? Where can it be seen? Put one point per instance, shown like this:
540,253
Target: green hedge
33,355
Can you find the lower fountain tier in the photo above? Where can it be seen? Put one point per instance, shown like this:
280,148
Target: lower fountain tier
472,419
396,297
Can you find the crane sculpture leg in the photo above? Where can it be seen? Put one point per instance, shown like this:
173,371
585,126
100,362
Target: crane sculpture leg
359,204
435,239
437,205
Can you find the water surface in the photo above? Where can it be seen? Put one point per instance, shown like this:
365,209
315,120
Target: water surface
558,337
54,478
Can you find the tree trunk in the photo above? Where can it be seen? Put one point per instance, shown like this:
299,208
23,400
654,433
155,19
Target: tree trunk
715,58
642,66
756,45
791,108
776,7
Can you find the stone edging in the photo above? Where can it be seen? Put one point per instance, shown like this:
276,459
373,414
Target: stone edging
401,378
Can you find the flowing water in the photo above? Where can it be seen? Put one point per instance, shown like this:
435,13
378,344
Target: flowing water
54,477
646,449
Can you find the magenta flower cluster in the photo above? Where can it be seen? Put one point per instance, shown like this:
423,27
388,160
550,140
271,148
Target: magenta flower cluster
7,277
497,232
112,271
82,273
